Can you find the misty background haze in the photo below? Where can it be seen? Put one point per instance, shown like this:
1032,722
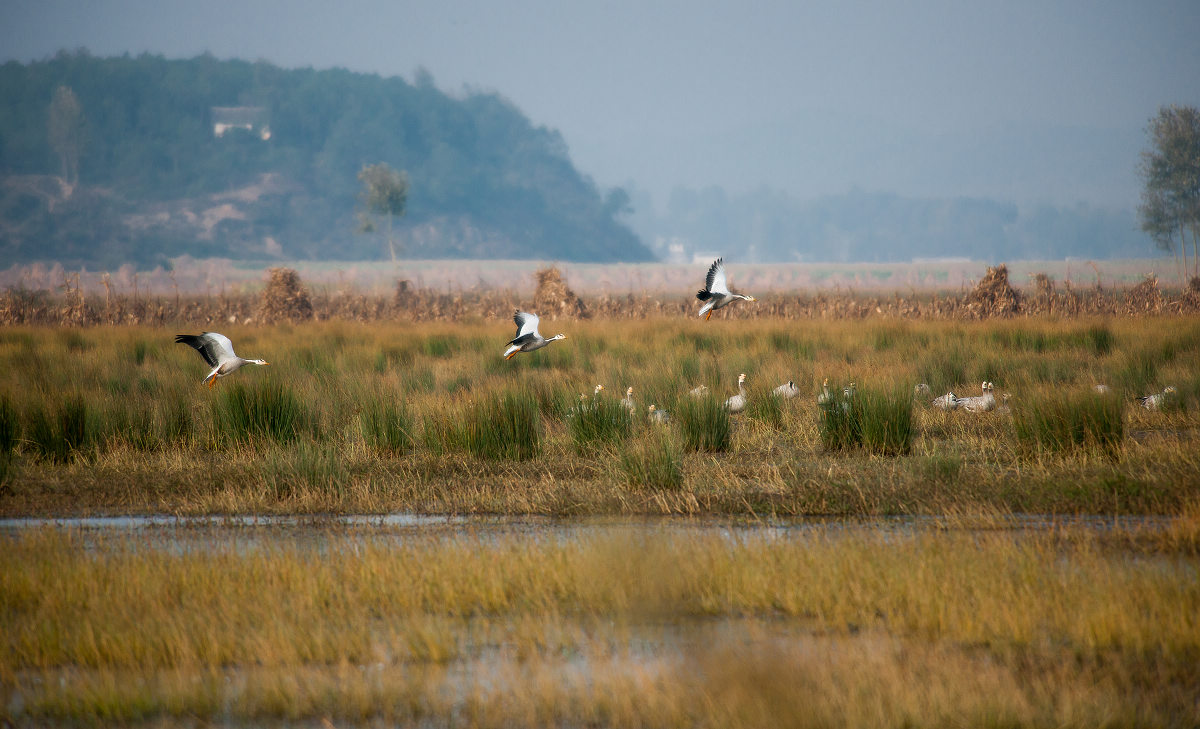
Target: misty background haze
749,107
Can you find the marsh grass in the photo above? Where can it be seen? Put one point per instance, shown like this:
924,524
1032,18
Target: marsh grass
386,425
505,427
599,421
654,461
10,426
967,623
143,422
265,408
1061,422
704,423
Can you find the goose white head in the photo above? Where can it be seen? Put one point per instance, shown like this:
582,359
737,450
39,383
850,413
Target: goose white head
628,392
598,389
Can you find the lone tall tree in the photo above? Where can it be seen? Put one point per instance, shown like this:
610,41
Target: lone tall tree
64,131
1171,199
384,195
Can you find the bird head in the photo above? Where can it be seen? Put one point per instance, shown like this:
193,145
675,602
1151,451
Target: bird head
259,361
741,378
598,389
750,298
628,392
650,409
556,337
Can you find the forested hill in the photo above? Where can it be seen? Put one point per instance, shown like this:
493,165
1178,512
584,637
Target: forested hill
148,158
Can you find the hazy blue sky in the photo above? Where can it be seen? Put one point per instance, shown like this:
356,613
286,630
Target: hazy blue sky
1019,100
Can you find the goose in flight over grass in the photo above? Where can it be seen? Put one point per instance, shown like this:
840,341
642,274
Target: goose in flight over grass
716,293
217,351
528,338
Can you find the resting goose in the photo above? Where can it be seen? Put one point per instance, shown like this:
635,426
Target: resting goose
826,395
737,403
981,404
1158,399
528,338
217,351
946,402
716,293
787,390
657,416
627,401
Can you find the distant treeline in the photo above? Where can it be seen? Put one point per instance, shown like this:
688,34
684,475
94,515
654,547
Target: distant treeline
229,158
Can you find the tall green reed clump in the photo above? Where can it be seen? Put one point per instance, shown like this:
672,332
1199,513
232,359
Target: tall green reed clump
1072,420
507,427
266,409
60,431
767,409
386,425
705,424
879,420
654,462
599,420
10,426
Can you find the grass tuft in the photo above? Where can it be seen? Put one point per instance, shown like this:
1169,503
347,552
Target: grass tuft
654,462
1061,422
705,424
599,420
880,421
385,425
266,409
508,427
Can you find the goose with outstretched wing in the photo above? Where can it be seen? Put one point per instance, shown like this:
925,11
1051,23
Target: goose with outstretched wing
716,293
217,351
528,338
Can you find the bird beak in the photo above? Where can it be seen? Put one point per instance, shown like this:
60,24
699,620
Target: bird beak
751,298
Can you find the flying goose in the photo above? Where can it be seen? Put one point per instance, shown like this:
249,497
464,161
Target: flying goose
528,338
1158,399
787,390
737,403
217,351
716,293
627,401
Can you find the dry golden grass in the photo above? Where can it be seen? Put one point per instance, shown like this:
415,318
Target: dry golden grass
899,626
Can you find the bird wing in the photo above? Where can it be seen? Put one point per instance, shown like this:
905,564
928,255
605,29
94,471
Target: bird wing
213,347
526,323
715,283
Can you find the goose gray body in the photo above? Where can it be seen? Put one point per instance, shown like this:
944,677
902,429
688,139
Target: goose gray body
217,351
528,338
716,293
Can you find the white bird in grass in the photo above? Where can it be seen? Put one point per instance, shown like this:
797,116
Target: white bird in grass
787,390
946,402
528,338
698,391
826,395
1157,400
627,401
716,293
737,403
217,351
657,416
983,403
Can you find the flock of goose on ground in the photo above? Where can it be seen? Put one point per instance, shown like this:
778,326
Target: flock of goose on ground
217,351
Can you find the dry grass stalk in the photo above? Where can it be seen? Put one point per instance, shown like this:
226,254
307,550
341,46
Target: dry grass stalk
284,298
993,296
553,299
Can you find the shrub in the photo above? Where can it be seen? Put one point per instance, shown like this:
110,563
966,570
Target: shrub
654,462
508,427
1060,422
839,423
705,424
